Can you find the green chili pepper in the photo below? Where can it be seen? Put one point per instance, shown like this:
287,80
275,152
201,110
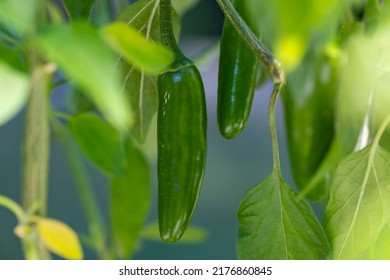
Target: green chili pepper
238,68
181,135
309,115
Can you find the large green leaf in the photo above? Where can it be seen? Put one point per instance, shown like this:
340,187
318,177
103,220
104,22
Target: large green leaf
145,55
100,143
276,224
14,86
18,15
141,89
90,64
359,205
130,199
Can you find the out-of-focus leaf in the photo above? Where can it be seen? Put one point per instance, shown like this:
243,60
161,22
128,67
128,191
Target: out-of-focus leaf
275,224
359,205
79,9
362,95
90,64
130,199
192,235
18,15
290,32
140,88
59,238
381,96
77,102
55,13
183,6
136,49
102,12
100,143
14,86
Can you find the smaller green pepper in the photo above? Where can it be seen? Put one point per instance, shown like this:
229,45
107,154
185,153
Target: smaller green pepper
237,75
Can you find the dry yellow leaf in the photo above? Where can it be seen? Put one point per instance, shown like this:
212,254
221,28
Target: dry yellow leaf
59,238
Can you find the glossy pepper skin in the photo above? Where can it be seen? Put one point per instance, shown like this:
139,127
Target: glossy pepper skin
237,75
309,114
181,134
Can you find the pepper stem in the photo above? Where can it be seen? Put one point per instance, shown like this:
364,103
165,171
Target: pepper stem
166,29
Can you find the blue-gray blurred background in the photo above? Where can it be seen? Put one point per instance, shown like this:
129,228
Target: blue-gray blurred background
233,166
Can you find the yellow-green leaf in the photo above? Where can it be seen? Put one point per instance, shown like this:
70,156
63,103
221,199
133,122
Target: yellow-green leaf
59,238
381,248
358,208
136,49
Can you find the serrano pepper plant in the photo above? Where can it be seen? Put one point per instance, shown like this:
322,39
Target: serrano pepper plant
129,84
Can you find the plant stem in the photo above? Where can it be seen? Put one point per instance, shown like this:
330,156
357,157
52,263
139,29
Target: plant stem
13,207
37,141
272,65
36,148
272,123
167,36
36,144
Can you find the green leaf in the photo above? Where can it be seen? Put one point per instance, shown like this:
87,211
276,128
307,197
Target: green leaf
130,199
141,89
381,248
79,9
100,143
90,64
13,93
59,238
18,15
359,205
136,49
275,224
193,235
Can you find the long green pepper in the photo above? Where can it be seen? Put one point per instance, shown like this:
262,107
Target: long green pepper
181,135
